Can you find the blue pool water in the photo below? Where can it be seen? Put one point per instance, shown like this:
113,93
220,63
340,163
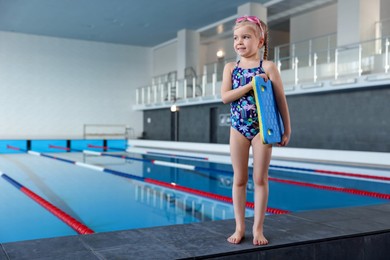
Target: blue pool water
105,202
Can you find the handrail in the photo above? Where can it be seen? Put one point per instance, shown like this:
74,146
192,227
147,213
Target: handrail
314,66
307,40
107,130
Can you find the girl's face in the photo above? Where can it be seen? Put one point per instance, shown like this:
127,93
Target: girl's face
246,43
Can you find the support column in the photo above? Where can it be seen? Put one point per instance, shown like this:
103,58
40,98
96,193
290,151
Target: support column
356,20
253,9
188,44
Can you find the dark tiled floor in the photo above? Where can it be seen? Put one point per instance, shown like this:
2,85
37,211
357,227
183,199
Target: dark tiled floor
305,235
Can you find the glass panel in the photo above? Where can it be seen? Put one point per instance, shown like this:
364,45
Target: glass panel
348,62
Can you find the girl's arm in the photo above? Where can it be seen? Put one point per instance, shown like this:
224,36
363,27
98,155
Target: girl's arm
281,100
228,94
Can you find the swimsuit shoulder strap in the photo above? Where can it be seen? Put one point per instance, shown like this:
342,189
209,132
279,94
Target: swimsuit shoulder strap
261,67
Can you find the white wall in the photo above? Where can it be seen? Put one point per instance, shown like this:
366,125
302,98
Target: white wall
165,58
50,87
319,22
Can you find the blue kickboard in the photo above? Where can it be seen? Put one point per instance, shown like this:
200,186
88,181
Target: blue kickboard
270,121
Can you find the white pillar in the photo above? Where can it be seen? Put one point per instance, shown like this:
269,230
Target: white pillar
253,9
356,20
188,44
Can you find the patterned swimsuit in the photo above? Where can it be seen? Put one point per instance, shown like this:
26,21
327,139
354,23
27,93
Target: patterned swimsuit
243,112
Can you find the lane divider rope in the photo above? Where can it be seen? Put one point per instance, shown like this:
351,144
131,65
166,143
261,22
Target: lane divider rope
60,147
329,172
156,162
66,218
291,182
156,182
332,188
347,174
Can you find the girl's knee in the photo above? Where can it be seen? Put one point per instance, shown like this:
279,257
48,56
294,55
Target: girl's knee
240,182
260,181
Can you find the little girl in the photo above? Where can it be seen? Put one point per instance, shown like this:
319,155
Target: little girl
250,35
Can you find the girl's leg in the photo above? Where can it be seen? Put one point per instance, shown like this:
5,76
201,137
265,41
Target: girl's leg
261,161
239,152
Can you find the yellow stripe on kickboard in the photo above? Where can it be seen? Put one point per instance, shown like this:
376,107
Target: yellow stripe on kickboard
258,110
270,122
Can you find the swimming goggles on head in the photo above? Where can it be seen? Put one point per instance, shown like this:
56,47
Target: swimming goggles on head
250,18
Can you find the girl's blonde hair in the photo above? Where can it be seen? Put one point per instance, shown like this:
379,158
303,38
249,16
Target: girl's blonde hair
259,27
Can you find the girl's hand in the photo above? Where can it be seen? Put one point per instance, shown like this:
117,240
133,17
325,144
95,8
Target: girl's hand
285,140
262,75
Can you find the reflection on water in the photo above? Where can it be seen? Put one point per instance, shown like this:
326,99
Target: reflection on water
183,205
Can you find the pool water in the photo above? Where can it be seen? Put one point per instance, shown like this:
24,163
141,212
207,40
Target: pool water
106,202
103,202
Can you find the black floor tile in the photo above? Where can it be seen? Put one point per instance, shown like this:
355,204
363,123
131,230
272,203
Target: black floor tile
381,207
224,227
322,215
284,222
190,232
47,248
345,214
361,212
81,255
116,239
193,239
354,226
303,235
142,251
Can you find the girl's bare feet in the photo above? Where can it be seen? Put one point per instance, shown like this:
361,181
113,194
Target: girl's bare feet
236,237
259,239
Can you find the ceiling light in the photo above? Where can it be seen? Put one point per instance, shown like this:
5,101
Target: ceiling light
220,54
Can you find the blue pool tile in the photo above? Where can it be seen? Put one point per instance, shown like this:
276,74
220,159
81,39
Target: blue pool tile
49,146
5,146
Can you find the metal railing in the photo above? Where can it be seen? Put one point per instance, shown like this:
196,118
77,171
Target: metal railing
288,52
297,70
107,131
350,61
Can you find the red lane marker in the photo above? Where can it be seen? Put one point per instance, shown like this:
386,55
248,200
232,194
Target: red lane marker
209,195
13,147
98,146
332,188
365,176
73,223
59,147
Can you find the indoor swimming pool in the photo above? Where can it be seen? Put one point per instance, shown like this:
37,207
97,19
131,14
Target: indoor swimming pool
108,190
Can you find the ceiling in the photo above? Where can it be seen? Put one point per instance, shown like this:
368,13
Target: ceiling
133,22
